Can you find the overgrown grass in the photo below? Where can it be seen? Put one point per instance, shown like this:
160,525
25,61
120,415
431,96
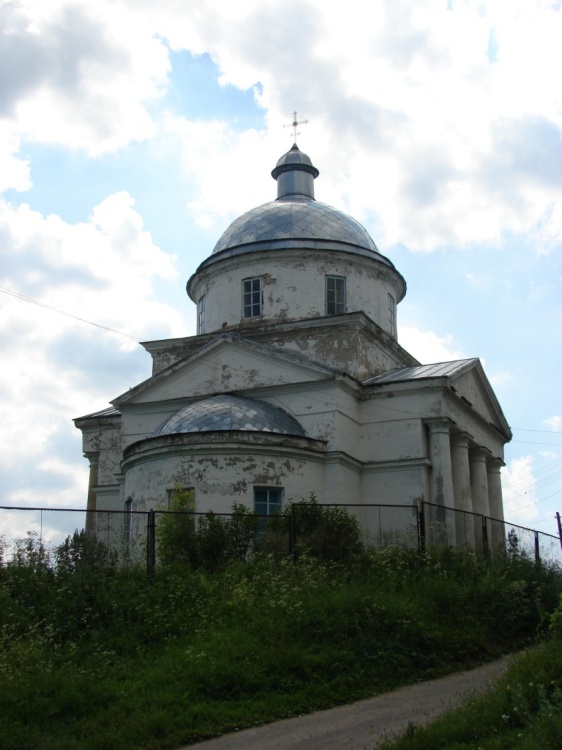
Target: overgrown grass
523,711
93,657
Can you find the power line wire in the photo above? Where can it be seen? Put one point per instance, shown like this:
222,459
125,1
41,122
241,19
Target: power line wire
23,298
528,429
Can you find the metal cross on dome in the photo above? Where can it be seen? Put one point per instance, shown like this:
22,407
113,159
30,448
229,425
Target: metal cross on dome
295,125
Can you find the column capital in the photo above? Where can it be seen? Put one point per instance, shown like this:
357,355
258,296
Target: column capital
439,424
479,454
460,439
495,464
93,459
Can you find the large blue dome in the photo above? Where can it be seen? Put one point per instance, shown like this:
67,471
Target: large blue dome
295,221
294,218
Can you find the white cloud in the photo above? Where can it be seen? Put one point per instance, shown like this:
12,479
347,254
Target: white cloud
446,142
448,146
55,367
500,378
79,74
14,171
554,423
228,167
519,486
427,346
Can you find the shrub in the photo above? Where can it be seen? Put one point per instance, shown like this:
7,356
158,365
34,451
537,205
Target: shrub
556,622
326,532
83,552
207,541
176,529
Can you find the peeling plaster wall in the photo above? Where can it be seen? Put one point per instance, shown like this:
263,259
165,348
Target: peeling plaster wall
469,388
376,448
352,342
342,481
393,441
396,485
226,367
220,480
294,286
341,348
101,443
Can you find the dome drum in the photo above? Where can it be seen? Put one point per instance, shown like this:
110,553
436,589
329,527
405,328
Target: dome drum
293,286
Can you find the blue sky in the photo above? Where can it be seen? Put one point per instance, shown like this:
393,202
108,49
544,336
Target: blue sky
131,135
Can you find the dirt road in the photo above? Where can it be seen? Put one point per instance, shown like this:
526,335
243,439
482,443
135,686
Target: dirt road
359,725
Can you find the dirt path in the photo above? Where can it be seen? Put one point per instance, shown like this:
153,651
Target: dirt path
359,725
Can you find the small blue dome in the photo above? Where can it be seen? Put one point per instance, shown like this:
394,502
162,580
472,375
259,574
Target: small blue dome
294,159
230,413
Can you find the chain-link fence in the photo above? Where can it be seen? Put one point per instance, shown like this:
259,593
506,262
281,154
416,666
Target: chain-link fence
330,531
121,536
375,526
440,525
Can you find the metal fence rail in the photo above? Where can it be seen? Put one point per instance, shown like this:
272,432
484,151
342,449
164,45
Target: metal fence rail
379,525
448,526
132,537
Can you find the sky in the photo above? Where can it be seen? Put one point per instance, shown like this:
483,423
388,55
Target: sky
132,133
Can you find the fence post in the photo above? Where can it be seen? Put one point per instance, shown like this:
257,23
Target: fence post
421,527
537,548
485,545
151,543
293,533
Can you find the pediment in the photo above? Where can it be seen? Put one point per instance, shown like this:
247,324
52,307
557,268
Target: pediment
473,387
226,365
465,378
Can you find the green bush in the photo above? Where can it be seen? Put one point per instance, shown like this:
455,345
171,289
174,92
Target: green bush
175,530
556,622
207,541
83,551
326,532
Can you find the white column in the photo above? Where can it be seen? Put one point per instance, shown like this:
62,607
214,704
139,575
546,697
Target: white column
441,481
464,524
496,503
91,504
479,488
440,454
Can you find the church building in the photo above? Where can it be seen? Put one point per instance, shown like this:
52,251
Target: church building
295,383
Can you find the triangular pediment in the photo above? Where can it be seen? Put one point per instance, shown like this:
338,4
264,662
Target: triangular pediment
227,364
473,387
465,378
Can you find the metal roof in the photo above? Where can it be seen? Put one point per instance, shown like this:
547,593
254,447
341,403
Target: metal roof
109,412
230,413
295,218
422,372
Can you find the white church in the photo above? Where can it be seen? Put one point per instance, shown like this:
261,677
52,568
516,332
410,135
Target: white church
295,383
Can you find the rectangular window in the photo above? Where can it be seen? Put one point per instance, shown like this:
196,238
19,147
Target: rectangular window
252,298
268,501
335,295
392,314
201,315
